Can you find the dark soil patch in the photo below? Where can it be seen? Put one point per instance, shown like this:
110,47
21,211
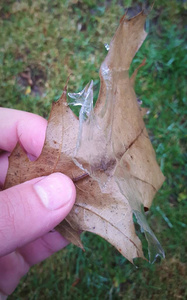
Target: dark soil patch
34,76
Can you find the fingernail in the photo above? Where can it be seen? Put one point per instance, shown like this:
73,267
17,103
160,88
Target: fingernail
55,190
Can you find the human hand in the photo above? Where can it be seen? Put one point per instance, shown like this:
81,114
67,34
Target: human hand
29,210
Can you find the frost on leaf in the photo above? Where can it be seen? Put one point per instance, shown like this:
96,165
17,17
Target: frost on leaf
107,153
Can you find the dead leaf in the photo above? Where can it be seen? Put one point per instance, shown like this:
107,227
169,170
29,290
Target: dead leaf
107,153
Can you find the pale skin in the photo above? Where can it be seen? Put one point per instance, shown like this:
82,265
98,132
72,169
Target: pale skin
43,202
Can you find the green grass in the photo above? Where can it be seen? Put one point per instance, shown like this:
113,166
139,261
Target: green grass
55,38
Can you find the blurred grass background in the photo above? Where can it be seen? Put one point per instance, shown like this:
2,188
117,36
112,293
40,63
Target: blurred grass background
41,43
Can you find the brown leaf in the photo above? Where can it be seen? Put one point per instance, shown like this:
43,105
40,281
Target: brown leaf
107,153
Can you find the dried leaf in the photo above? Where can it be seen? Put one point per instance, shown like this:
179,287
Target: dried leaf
107,153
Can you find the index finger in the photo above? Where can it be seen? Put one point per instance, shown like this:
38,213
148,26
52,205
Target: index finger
27,128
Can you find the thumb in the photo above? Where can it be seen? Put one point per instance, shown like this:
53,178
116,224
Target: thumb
29,210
